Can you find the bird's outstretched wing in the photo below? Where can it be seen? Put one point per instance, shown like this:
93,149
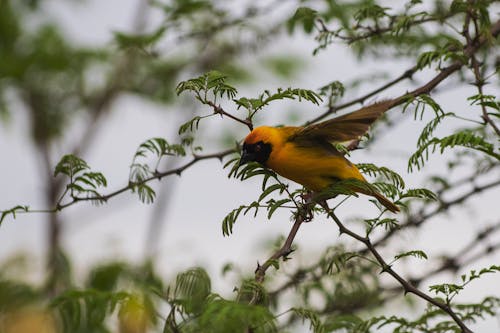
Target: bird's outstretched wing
344,128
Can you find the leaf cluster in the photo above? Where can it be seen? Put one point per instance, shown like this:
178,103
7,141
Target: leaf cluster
468,138
140,170
83,183
212,85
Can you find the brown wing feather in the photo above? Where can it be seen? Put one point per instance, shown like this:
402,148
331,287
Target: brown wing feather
344,128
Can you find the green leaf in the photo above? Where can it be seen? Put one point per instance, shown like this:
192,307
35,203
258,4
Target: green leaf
375,171
146,194
304,15
230,219
70,165
252,105
446,289
274,205
421,193
212,81
307,314
192,289
13,211
270,190
126,40
80,182
190,125
387,223
415,253
223,316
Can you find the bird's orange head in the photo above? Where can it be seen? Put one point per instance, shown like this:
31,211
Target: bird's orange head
258,145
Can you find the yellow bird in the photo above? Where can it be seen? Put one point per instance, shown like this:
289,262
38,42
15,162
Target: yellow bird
306,154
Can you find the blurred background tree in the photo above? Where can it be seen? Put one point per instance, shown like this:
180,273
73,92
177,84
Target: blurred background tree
212,50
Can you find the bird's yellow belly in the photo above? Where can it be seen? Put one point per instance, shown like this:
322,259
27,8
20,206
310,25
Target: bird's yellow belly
313,169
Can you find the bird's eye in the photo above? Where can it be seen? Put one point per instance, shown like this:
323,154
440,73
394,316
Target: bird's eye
258,147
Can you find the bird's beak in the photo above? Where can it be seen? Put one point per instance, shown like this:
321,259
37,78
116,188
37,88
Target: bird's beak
245,158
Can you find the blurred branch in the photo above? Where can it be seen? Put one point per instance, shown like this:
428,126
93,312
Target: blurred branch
456,262
386,268
479,79
378,31
421,217
469,50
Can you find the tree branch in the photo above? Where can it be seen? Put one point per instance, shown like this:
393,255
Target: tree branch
386,268
282,252
219,110
469,51
158,175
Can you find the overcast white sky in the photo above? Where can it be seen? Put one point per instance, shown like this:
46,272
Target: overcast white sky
204,195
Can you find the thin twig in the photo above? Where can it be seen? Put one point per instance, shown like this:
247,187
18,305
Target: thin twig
219,110
282,252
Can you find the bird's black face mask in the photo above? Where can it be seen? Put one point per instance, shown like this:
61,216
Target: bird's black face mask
256,152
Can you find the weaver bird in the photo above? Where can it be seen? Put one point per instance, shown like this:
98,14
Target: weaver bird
307,156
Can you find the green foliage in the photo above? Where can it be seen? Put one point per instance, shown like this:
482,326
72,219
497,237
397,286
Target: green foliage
333,91
211,85
305,16
191,290
387,223
81,181
415,253
14,295
450,290
442,55
227,317
211,82
13,211
421,193
386,173
86,310
306,314
271,205
140,41
140,170
253,105
465,138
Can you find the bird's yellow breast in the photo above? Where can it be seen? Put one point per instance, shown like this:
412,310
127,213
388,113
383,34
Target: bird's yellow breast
314,168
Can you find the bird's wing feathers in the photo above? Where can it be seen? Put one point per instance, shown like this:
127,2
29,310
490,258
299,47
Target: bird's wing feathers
344,128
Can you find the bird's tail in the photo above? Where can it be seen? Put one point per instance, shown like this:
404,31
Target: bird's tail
385,202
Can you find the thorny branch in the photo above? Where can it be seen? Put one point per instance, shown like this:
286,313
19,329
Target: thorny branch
282,252
386,268
157,175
